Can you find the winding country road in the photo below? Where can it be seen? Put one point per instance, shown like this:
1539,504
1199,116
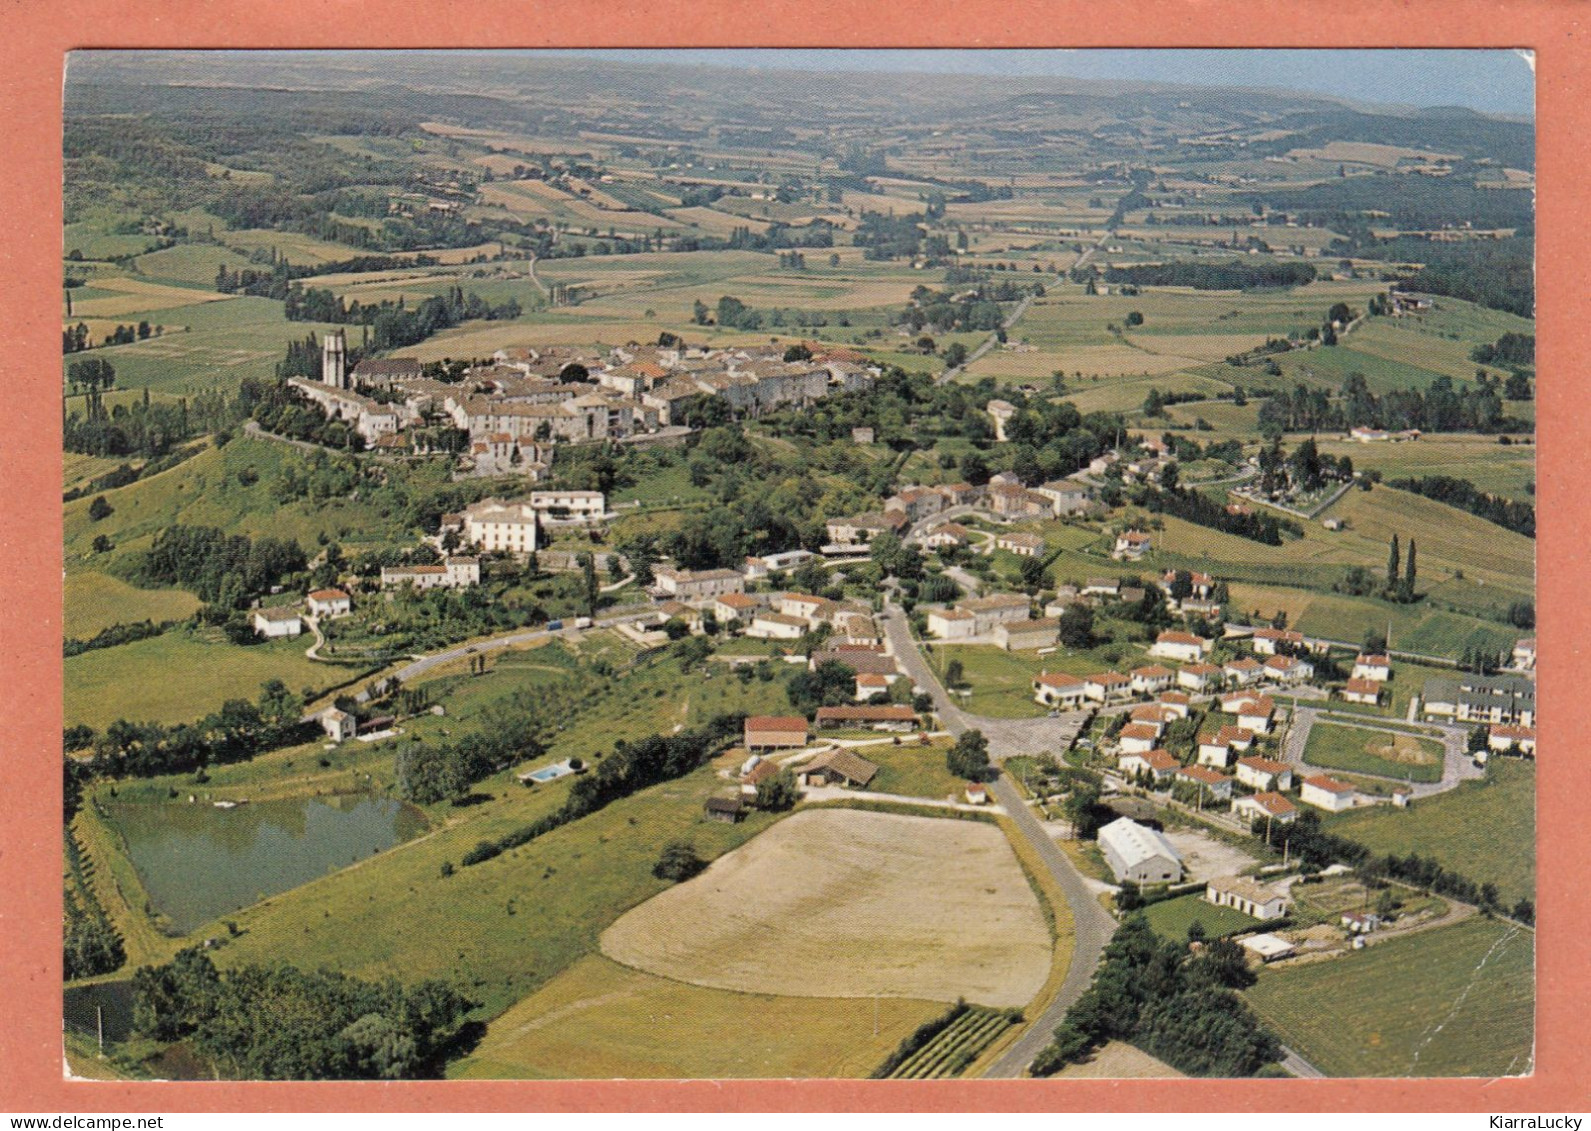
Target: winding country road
1092,926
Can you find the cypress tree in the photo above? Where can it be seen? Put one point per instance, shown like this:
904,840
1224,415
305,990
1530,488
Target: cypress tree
1392,563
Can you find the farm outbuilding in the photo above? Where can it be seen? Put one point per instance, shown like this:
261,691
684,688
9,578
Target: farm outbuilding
1138,853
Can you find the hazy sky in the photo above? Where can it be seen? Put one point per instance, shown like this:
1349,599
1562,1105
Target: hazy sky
1492,81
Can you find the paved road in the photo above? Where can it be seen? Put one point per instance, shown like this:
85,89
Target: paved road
1092,926
1458,765
987,344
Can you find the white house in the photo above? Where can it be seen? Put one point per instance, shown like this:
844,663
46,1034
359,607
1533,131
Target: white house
1138,738
1199,677
579,504
1107,687
1138,853
1157,763
1214,786
1245,895
278,622
1021,635
1524,656
698,585
1057,689
1270,641
497,526
1327,793
339,725
1020,544
1288,669
1272,806
1243,672
329,603
1264,773
1255,714
1366,691
1152,679
1220,748
1176,701
776,626
951,624
1378,668
1505,737
1183,647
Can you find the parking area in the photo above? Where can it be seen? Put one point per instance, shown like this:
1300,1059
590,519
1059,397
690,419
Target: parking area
1205,857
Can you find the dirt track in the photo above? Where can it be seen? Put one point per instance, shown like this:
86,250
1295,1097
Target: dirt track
845,903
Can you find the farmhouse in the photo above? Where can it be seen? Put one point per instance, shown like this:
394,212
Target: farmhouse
1181,646
951,624
1264,773
1020,635
884,717
1469,698
581,504
1157,763
856,532
277,622
1362,691
1022,545
776,626
1132,545
1102,587
943,535
996,609
1200,585
339,725
1243,894
1138,853
329,603
453,573
496,526
756,568
1057,689
1378,668
1012,500
697,585
1271,806
1217,787
775,732
1065,497
838,767
1327,793
869,685
740,607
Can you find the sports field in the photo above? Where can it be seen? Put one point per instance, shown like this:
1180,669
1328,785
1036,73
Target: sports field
843,903
1361,751
1454,1001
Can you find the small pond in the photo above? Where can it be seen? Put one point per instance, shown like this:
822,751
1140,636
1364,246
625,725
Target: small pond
199,862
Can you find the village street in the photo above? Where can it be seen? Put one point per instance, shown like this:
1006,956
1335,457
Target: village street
1092,925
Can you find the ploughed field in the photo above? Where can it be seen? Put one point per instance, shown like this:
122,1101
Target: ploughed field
844,903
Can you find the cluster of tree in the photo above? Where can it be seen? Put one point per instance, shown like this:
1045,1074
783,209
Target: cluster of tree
1461,493
975,309
734,314
629,767
430,772
1400,587
1509,350
678,862
1196,507
889,236
235,733
1155,401
1439,408
222,569
282,1023
392,324
831,684
1176,1006
282,410
968,756
1233,275
144,429
274,279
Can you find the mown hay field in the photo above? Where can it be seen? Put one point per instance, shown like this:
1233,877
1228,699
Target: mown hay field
601,1020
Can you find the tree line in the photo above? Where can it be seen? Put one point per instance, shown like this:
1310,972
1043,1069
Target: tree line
1234,275
282,1023
1199,508
393,324
235,733
628,768
1439,408
221,569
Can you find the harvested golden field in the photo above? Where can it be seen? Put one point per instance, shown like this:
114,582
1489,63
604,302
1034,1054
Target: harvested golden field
1120,1061
844,903
599,1020
135,295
